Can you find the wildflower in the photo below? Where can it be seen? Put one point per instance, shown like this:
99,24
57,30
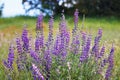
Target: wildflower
39,42
50,36
25,40
39,25
111,64
84,37
95,48
56,49
19,46
100,33
36,73
8,64
76,17
75,45
102,51
20,56
48,62
64,36
85,50
35,56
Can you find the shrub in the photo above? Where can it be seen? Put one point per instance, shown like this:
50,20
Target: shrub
60,58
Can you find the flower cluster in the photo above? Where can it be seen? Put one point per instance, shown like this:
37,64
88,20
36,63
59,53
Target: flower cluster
9,63
62,53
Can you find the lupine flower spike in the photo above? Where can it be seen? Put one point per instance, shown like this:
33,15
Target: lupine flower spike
111,64
20,55
39,42
9,63
36,73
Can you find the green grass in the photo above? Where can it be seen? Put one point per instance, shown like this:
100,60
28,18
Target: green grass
110,26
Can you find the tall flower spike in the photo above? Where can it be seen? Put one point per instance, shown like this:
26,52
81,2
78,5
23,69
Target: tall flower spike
39,43
25,40
57,43
76,44
111,64
85,50
50,36
48,61
88,42
36,73
39,25
95,48
102,51
76,17
83,38
20,54
10,60
100,33
35,56
25,46
64,34
19,46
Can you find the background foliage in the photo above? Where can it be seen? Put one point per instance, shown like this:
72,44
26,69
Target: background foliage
88,7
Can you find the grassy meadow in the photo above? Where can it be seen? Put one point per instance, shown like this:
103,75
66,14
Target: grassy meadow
9,27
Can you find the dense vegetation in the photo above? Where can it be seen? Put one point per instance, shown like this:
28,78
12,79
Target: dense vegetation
66,55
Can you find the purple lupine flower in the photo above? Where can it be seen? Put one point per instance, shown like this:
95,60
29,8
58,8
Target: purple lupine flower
64,36
111,55
84,37
100,33
108,72
8,64
95,48
103,62
19,46
76,17
39,43
48,62
36,73
48,59
56,49
50,36
83,55
111,64
25,46
35,56
20,56
88,44
39,25
25,40
67,39
102,65
41,39
85,50
102,51
75,45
